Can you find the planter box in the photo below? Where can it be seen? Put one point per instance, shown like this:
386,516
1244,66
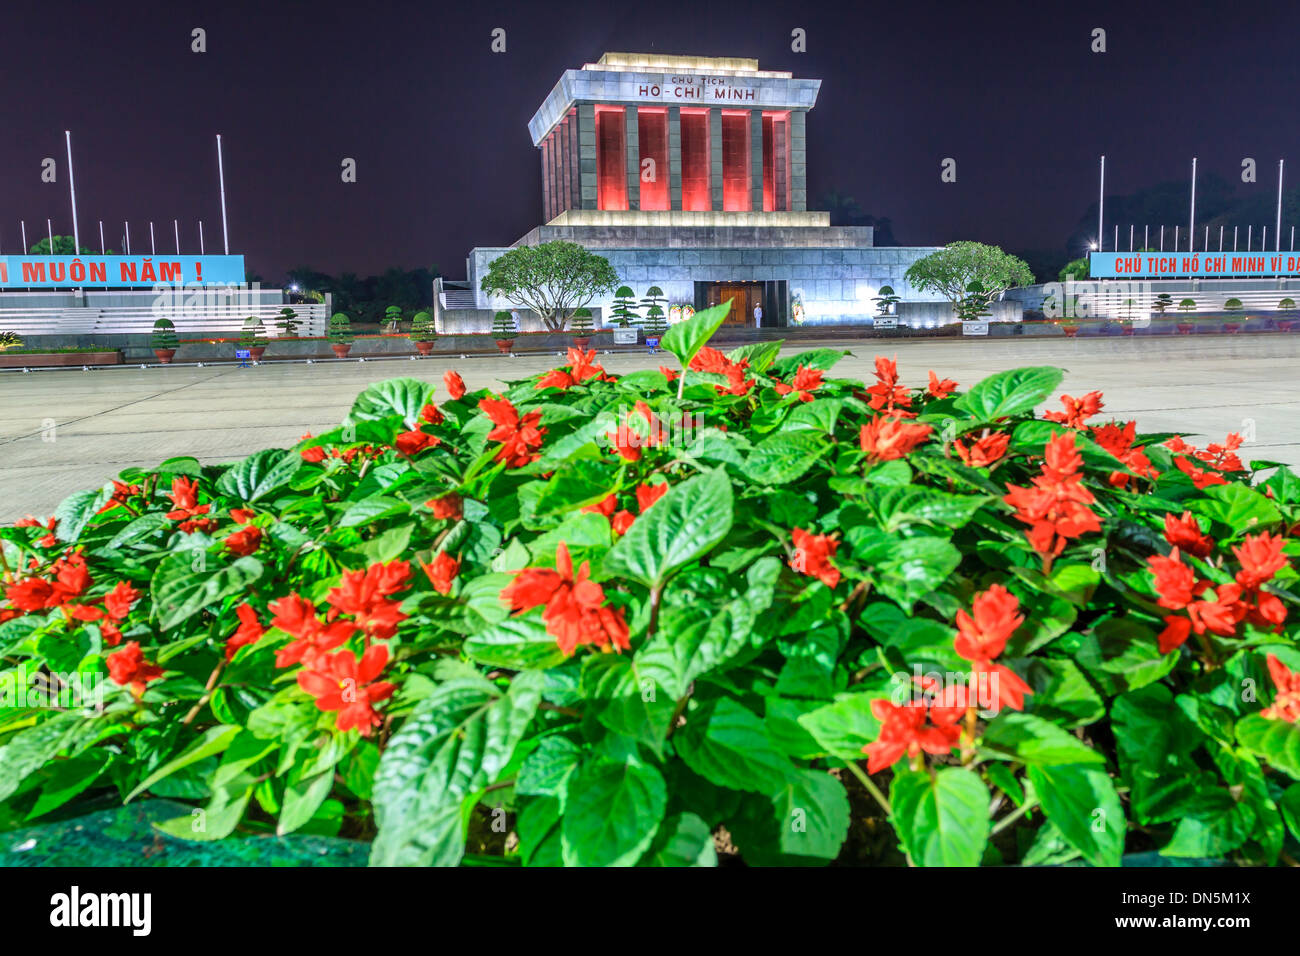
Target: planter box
58,359
625,336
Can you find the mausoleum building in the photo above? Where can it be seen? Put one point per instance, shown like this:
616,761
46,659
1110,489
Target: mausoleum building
690,174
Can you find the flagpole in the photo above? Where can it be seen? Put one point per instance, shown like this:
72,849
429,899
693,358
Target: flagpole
176,227
1191,226
1101,206
221,174
101,238
1279,206
72,187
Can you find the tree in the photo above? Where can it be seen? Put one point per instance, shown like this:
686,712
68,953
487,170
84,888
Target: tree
953,269
1075,270
974,305
1233,305
553,279
624,310
1187,305
654,311
887,301
1163,301
63,246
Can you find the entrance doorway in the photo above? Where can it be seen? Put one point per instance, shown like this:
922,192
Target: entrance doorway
744,297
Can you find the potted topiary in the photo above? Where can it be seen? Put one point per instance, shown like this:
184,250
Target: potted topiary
1286,307
422,333
581,328
1186,305
288,323
1232,305
886,318
624,313
393,318
163,341
655,326
504,331
340,334
253,338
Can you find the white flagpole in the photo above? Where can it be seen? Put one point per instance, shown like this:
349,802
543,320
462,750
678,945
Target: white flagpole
1131,227
1191,226
153,248
201,252
1101,206
176,227
1162,238
101,238
50,230
1146,237
24,225
221,174
1279,206
1220,238
72,187
128,237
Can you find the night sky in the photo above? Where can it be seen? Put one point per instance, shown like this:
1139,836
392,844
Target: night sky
437,122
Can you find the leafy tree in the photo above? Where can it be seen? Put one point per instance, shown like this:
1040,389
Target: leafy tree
1187,305
624,310
1163,301
1286,305
552,279
340,329
503,326
422,328
9,340
392,318
887,301
974,305
582,323
656,323
63,246
1076,269
288,322
1233,305
953,269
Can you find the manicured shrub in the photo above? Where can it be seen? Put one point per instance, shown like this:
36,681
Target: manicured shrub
632,616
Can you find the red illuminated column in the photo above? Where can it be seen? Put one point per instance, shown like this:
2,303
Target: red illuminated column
695,160
611,159
653,169
736,157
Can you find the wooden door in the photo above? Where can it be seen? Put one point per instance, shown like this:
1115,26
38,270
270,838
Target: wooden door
743,295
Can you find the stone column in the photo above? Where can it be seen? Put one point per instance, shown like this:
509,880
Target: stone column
798,167
575,180
586,154
756,160
674,157
633,148
545,152
715,159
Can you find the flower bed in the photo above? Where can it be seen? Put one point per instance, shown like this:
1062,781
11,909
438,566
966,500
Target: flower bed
658,618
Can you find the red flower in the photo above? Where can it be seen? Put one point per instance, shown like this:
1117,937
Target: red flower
985,451
1201,478
622,521
805,381
242,515
31,594
244,541
431,414
1056,508
582,365
628,442
904,731
1286,702
519,437
888,439
940,388
121,492
441,572
606,506
887,395
455,384
646,495
982,635
1185,534
1119,442
556,378
448,507
1261,557
714,362
669,373
813,553
365,595
1222,456
315,454
1175,582
1177,629
128,667
339,682
575,613
296,616
413,442
184,496
1077,410
250,630
71,577
184,493
117,602
46,541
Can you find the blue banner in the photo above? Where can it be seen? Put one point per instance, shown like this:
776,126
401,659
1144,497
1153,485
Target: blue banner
118,272
1193,265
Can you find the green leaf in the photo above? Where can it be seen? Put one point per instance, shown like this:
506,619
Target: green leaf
760,355
1010,393
138,528
824,359
783,457
1032,740
845,726
517,643
397,396
682,840
582,480
897,506
941,818
76,510
611,813
1276,742
727,744
259,474
214,741
180,592
1122,654
1241,508
686,338
29,750
1081,800
681,526
804,823
915,567
372,509
456,742
545,770
302,798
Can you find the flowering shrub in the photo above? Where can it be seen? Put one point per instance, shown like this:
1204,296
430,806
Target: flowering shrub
737,603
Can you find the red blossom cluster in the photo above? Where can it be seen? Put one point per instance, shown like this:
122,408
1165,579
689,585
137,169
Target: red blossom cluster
805,382
886,439
520,437
887,395
121,493
442,571
1286,702
448,507
1056,508
1118,440
813,553
340,683
65,588
581,367
904,731
575,605
940,388
621,520
47,540
982,636
628,442
455,384
985,451
1222,457
1077,410
1243,599
187,510
711,360
128,668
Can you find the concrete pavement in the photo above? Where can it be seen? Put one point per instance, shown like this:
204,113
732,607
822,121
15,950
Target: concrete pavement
66,431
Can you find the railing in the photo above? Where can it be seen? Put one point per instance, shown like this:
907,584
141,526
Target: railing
312,320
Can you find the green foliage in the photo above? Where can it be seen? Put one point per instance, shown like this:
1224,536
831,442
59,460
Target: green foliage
288,322
9,340
503,326
624,310
1187,305
953,269
572,684
163,336
1163,302
422,327
253,332
887,301
582,322
1076,270
1233,305
340,329
552,279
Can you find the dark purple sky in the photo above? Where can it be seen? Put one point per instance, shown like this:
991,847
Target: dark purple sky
437,122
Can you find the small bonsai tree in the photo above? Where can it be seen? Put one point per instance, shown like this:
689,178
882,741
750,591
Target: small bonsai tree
288,323
1163,301
1233,305
9,340
974,306
392,318
656,320
1187,305
624,310
422,327
581,323
253,334
887,301
503,326
1286,305
340,329
163,338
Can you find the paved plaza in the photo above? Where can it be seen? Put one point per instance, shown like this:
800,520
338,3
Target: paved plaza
65,431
